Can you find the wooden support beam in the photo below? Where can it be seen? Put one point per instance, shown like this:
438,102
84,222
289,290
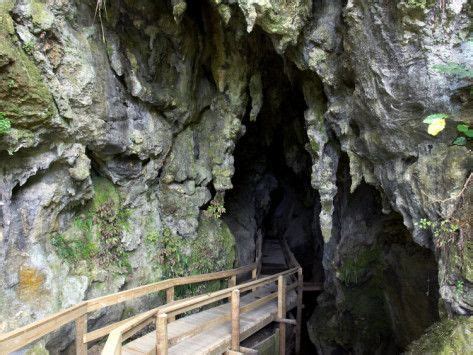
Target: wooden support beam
235,320
81,330
162,334
169,299
243,351
300,290
287,321
310,287
282,313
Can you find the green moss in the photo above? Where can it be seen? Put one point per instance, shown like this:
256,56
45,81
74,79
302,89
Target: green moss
38,349
368,303
41,16
450,336
314,146
24,98
128,312
353,269
96,233
212,250
5,124
420,4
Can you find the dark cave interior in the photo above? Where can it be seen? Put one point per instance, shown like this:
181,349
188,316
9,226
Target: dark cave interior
388,282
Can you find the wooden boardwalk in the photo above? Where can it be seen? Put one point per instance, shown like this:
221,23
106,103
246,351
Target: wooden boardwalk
217,339
218,322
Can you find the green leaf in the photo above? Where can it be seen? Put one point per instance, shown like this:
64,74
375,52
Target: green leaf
431,118
469,133
459,141
462,128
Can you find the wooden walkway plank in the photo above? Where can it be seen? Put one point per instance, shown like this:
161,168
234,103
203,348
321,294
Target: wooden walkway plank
217,338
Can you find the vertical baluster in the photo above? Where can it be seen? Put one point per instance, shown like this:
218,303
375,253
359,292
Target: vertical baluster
162,334
81,329
170,298
235,320
254,276
282,313
300,285
231,283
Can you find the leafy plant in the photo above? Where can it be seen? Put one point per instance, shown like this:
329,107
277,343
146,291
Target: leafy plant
74,250
436,123
459,287
216,209
171,255
444,231
5,124
152,238
465,134
98,231
28,47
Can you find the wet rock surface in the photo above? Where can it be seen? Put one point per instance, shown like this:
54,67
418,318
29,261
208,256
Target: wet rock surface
124,131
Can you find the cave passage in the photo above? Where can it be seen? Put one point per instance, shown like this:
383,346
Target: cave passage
385,284
272,195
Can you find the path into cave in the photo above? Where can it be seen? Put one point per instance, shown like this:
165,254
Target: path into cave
388,283
272,196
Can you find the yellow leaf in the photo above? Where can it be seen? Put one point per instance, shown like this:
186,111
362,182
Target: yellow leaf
436,126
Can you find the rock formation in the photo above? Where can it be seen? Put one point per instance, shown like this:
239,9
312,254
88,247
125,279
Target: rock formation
121,125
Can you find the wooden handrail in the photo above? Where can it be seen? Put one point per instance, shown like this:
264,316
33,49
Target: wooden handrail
25,335
108,300
185,305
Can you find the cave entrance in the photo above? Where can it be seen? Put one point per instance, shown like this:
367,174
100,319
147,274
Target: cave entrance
272,196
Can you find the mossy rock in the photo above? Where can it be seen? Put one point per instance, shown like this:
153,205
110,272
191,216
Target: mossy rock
450,336
95,234
24,98
354,269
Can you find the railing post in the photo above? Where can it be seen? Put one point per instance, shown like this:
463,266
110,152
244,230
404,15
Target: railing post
254,276
236,320
170,298
231,283
300,288
282,313
81,329
162,334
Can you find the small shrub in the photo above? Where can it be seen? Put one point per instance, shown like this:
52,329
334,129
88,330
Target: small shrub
216,209
444,231
5,124
28,47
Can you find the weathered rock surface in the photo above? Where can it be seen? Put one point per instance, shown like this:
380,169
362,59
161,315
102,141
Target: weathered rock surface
123,132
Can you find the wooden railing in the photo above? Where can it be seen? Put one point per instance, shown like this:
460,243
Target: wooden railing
24,336
293,263
165,314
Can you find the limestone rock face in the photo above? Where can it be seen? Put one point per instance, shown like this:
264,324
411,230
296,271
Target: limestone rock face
120,133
